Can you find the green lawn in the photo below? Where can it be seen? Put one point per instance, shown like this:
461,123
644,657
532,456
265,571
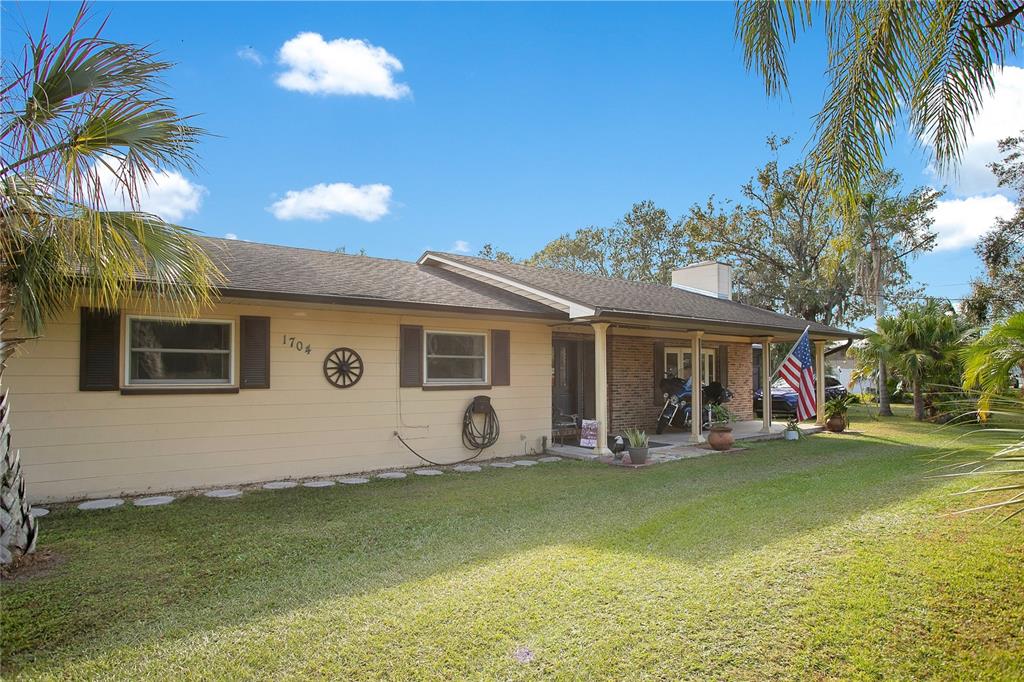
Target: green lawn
827,558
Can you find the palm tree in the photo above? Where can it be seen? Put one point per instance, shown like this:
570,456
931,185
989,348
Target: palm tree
920,343
929,63
75,111
989,361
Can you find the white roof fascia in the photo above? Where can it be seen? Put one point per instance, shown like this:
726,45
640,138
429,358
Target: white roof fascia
576,309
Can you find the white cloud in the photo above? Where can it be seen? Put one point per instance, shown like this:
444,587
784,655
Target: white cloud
1000,117
959,222
460,246
319,202
250,54
230,235
339,67
169,194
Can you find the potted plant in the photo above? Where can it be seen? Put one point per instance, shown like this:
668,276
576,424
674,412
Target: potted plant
638,445
792,430
835,411
720,436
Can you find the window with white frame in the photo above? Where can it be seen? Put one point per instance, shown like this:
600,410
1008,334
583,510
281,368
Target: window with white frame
455,358
678,363
168,351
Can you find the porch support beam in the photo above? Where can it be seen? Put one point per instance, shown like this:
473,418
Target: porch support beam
601,386
766,388
819,380
697,384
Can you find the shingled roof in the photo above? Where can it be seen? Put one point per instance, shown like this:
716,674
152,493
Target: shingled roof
286,273
611,296
444,281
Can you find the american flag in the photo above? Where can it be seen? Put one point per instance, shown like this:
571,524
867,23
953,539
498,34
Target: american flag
797,370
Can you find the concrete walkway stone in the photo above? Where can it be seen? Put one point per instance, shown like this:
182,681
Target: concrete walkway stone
223,493
279,485
428,472
154,501
319,483
503,465
525,462
548,460
392,474
467,468
353,480
108,503
37,512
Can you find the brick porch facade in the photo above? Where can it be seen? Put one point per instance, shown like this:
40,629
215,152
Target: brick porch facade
631,389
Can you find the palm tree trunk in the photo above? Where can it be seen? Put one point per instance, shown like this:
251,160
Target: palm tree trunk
884,408
18,530
918,401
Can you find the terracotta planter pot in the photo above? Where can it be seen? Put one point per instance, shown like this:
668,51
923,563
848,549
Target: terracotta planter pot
836,423
721,438
638,455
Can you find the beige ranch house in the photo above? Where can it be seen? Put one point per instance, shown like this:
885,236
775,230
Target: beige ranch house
311,362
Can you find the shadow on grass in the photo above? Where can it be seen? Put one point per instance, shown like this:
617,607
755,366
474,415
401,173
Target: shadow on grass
137,576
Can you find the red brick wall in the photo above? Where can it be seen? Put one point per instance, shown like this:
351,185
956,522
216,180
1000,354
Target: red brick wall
631,381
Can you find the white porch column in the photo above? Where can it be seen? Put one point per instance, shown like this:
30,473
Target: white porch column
766,380
696,382
601,386
819,379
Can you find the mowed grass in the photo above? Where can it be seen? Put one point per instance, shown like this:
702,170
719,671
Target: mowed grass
828,558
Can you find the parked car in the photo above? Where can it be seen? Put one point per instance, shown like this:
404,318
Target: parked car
784,397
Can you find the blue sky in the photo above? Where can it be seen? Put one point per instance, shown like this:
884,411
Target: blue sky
504,123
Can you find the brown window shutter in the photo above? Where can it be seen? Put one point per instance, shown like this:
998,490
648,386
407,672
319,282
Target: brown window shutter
99,351
659,372
254,352
501,369
410,353
722,358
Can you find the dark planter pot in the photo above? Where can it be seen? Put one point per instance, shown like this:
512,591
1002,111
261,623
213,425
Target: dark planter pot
638,455
721,438
836,423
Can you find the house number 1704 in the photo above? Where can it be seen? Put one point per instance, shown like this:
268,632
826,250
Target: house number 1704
292,342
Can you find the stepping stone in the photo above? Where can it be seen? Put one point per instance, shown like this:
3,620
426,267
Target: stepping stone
154,501
223,493
392,474
428,472
503,465
353,480
467,468
321,483
108,503
37,512
279,485
548,460
525,462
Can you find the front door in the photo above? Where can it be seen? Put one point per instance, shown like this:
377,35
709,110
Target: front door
572,377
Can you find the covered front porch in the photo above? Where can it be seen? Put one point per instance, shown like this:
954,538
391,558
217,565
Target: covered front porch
610,371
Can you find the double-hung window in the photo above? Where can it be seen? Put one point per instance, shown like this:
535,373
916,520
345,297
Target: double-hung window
173,352
455,358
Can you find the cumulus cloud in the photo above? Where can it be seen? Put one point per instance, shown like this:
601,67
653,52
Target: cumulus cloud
230,235
250,54
1000,117
959,222
320,202
460,246
169,194
339,67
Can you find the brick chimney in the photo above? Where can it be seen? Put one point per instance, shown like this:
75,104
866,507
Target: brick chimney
709,278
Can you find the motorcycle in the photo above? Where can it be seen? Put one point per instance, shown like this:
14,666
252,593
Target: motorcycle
677,409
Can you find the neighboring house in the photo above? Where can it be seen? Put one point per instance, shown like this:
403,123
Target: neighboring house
133,401
843,365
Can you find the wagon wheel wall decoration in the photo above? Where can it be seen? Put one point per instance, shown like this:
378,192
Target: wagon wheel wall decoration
343,368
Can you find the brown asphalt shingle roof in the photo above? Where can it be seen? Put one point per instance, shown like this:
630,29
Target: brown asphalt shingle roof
295,274
610,295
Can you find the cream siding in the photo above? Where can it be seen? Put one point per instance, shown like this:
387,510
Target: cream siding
93,443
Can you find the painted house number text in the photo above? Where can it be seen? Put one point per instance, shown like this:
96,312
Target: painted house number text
291,342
